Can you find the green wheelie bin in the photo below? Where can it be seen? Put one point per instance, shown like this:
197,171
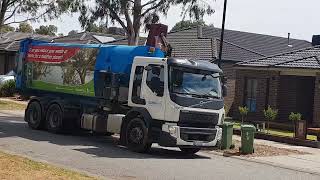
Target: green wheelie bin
227,132
247,138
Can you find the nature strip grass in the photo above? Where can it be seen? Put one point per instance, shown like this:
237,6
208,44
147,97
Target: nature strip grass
7,105
16,167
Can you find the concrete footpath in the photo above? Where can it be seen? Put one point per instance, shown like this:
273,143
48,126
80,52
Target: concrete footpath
307,162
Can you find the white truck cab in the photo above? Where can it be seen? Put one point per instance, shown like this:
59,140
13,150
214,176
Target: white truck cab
182,99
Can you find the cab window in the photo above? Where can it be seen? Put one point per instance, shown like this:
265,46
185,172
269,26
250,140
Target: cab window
155,79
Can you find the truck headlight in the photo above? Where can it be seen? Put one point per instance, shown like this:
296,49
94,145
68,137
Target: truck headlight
172,130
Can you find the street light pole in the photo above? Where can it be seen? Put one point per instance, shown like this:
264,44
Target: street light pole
222,32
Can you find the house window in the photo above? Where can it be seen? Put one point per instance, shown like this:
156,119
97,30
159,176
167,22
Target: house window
250,95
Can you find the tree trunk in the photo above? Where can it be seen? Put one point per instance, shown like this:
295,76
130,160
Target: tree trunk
3,10
294,128
132,39
133,36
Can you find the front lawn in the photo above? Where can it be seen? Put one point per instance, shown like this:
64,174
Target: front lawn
278,132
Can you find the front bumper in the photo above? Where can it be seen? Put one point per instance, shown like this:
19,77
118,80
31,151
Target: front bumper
176,136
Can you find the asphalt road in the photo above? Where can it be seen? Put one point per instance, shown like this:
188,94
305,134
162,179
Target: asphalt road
102,156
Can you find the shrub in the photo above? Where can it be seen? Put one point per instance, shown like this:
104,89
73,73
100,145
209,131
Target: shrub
243,112
270,114
294,117
8,88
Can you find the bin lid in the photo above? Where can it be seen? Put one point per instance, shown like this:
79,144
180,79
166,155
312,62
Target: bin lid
248,127
228,124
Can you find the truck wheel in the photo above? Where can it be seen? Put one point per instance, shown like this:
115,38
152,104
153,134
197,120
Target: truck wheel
34,115
54,118
189,151
137,136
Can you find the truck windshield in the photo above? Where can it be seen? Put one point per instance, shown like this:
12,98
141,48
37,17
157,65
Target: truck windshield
203,84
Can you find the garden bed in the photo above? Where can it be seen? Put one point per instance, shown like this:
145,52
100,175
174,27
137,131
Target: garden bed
259,151
283,139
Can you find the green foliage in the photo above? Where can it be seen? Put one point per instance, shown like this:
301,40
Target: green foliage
7,28
73,32
8,88
133,15
104,29
243,112
187,24
50,30
17,11
25,28
270,114
295,116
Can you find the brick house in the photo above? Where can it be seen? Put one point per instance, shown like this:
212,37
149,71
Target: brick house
202,43
289,82
9,46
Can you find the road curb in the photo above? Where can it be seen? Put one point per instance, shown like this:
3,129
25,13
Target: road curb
303,170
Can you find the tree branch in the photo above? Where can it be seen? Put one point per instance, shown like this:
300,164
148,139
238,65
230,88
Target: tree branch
148,3
114,15
29,19
153,7
12,2
13,13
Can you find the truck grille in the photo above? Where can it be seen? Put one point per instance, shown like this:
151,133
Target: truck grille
191,134
198,119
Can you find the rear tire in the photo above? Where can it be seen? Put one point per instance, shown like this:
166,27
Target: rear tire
137,136
189,151
33,115
54,119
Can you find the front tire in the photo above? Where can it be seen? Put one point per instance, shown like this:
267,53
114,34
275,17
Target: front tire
33,115
54,119
189,151
137,136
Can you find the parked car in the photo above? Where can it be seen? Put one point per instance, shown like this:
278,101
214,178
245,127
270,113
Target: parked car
7,77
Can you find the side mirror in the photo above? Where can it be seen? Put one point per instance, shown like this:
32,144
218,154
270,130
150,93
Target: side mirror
224,90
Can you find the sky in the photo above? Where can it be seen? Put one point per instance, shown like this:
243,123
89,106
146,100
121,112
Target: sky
272,17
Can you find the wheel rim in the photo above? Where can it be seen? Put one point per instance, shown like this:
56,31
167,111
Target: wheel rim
54,119
136,134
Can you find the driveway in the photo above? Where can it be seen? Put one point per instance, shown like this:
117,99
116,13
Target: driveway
103,157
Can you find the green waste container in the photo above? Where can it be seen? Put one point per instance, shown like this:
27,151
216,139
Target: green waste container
227,132
247,138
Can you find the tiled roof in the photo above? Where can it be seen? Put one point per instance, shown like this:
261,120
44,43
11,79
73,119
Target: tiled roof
88,38
198,49
234,52
308,58
124,41
10,41
241,46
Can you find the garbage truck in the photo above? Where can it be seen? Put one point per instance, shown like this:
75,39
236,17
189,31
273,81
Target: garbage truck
138,92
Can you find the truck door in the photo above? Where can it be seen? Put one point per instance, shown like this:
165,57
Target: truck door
153,90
